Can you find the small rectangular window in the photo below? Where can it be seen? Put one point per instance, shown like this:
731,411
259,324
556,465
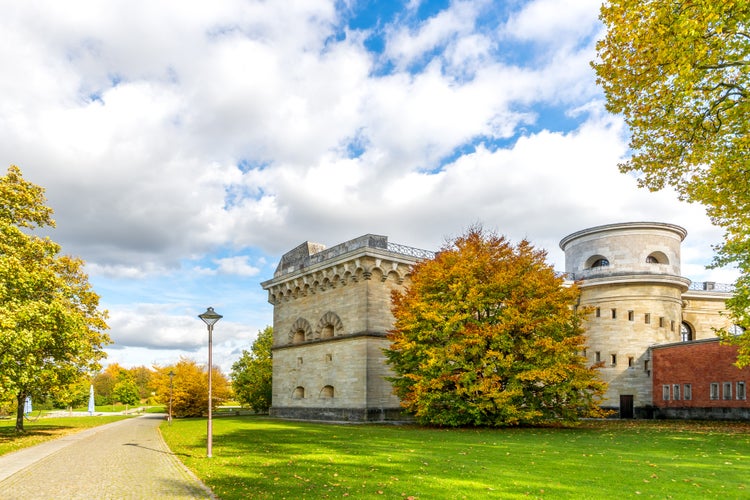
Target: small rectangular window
687,392
661,321
631,316
645,367
740,393
598,312
714,390
598,357
676,392
614,313
671,326
647,318
329,357
665,392
613,359
727,392
631,361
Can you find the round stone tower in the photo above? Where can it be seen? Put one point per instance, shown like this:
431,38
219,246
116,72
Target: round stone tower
631,287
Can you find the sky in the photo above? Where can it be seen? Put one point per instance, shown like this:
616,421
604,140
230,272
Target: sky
186,145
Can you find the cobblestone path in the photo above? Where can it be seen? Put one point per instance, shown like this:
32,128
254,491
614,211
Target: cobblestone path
122,460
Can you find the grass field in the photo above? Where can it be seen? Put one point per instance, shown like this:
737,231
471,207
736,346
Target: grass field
45,429
263,458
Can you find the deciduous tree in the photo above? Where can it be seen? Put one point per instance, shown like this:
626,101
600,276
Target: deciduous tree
251,374
190,388
51,328
126,392
679,72
486,334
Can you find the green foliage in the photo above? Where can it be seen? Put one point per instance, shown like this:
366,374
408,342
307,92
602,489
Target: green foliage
189,388
74,395
51,330
486,334
679,72
262,458
126,392
251,374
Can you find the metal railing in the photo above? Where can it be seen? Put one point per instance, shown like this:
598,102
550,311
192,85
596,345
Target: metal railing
410,251
711,286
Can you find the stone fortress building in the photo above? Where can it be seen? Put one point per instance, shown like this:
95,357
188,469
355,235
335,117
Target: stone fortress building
332,314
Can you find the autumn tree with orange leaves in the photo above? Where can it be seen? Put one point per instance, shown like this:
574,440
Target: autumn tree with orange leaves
487,335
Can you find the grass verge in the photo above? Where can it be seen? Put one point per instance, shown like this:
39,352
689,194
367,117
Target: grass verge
45,429
257,457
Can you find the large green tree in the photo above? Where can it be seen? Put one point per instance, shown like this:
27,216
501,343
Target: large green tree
679,72
486,334
251,374
51,328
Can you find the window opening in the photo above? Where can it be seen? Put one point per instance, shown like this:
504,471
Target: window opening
714,390
727,392
327,392
647,318
736,330
600,263
613,359
741,393
299,393
631,361
631,316
665,392
687,392
326,332
676,392
686,333
299,336
614,313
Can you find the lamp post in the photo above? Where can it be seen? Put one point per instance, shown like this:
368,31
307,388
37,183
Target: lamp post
210,317
171,377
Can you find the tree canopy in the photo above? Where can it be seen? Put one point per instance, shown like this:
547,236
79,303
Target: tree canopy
189,388
251,374
51,328
486,334
679,73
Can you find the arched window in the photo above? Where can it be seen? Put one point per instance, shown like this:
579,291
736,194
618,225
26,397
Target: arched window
600,263
299,393
299,337
657,258
686,332
329,326
327,392
736,330
300,331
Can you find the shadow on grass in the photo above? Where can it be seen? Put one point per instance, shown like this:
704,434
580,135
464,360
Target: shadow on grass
266,458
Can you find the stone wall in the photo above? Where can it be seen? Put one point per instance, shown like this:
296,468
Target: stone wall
331,318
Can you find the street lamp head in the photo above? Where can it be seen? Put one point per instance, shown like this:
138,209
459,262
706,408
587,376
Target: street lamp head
171,373
210,316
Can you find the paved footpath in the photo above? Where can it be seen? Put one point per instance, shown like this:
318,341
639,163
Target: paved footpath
121,460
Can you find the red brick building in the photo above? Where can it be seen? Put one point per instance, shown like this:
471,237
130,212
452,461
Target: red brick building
698,379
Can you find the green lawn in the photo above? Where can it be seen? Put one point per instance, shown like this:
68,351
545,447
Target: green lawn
45,429
262,458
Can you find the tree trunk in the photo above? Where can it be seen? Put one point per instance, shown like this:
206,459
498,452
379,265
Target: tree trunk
19,411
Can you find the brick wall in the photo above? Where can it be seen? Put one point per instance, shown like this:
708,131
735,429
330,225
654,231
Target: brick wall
698,364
